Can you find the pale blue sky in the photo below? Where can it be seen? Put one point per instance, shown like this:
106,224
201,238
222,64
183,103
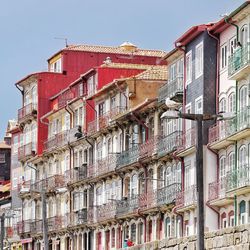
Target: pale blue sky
28,29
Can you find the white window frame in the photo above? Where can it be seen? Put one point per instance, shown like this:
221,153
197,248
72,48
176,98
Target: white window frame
199,60
223,56
197,101
189,70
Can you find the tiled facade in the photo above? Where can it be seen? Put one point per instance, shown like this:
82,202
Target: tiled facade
112,169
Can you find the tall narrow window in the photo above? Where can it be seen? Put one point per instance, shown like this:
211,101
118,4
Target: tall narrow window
244,35
134,180
199,60
231,103
223,56
189,67
101,108
199,105
223,105
232,44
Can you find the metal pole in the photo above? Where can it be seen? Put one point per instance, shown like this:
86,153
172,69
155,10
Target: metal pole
2,230
44,217
200,185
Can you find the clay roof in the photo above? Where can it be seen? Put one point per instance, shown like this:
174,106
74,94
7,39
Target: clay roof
125,66
115,50
154,73
3,145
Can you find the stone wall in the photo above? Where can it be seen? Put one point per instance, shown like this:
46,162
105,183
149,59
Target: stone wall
234,238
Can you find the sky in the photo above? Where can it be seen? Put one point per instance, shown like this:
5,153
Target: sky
28,29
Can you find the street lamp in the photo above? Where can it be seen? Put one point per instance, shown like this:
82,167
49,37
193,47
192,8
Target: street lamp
44,214
174,113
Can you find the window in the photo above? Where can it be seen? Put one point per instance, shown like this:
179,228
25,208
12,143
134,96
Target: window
223,220
78,117
187,176
34,95
199,60
231,103
222,167
92,83
134,185
231,162
99,151
199,105
231,218
112,103
173,73
140,233
15,144
242,209
113,237
244,35
232,44
189,67
243,97
110,146
223,105
223,58
133,232
56,66
167,227
101,109
99,196
67,121
2,158
141,183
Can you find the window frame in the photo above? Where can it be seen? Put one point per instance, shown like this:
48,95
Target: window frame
199,59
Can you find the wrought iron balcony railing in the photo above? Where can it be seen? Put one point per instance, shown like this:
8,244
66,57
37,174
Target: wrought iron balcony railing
56,141
49,184
167,195
149,147
217,189
27,112
238,178
223,129
26,151
106,211
128,157
171,89
168,143
25,226
127,205
239,60
187,197
106,165
187,139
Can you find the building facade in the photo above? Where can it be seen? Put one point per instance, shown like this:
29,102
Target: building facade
114,172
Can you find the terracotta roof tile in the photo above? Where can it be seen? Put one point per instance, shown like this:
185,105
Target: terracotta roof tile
154,73
126,66
116,50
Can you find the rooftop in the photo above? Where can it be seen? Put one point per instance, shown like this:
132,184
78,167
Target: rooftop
116,50
156,73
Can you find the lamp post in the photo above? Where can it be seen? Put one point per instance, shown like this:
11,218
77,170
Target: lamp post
199,118
44,214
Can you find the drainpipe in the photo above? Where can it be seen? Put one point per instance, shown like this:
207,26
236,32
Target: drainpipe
21,90
226,19
217,71
235,196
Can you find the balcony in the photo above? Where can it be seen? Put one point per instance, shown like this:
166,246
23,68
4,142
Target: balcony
105,165
238,63
173,89
76,174
25,226
106,211
127,206
217,193
55,223
26,151
152,245
218,133
224,133
37,227
168,143
167,195
187,199
238,181
128,157
49,184
57,141
76,218
149,147
27,113
186,142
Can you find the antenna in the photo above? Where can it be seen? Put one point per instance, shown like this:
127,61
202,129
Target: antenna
63,38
